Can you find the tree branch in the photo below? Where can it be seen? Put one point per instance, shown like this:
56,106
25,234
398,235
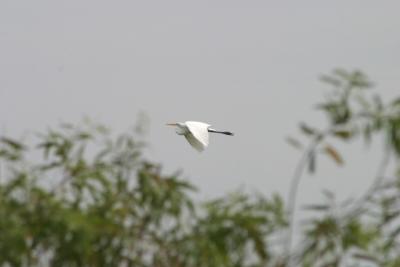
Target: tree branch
376,183
292,197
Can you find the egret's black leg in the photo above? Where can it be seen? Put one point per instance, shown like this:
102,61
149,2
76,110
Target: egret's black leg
220,132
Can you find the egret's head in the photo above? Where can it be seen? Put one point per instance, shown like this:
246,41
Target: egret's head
180,127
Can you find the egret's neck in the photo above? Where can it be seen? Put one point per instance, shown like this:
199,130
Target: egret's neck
181,129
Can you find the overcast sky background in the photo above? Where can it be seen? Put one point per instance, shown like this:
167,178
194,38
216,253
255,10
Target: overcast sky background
250,67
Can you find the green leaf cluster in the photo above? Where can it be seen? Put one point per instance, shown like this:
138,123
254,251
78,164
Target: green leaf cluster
84,196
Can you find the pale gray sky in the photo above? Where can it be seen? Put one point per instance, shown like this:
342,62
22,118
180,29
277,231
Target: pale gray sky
246,66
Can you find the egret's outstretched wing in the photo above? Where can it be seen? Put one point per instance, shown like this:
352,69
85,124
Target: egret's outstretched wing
194,142
198,136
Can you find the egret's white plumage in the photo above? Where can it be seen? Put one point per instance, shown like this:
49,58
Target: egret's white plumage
199,130
196,144
196,133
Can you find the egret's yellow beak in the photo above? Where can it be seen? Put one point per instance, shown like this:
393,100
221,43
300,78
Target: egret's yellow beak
171,124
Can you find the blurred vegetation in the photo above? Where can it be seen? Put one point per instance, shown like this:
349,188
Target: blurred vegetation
80,195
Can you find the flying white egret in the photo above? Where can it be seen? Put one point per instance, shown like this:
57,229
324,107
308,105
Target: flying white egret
196,133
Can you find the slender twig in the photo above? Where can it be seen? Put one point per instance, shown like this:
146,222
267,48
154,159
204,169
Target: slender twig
292,197
376,183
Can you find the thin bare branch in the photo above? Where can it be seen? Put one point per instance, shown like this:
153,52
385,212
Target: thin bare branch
292,197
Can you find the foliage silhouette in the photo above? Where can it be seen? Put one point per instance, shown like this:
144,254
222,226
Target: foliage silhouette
108,206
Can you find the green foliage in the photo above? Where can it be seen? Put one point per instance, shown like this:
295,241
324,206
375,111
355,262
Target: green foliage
93,200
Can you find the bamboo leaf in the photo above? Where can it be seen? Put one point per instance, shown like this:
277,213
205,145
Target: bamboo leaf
311,163
366,257
317,207
12,143
307,129
332,152
343,134
294,142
